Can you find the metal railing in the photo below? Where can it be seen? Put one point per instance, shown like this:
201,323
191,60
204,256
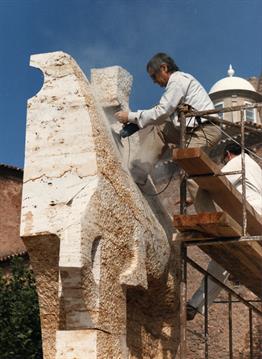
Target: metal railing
231,293
185,112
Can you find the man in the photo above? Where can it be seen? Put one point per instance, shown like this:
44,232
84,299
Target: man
253,177
253,181
160,125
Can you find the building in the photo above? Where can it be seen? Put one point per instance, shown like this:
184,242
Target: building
236,91
10,207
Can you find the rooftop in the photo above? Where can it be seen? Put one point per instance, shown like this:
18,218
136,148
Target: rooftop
231,82
11,171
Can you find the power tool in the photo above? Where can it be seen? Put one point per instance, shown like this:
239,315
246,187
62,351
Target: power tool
128,130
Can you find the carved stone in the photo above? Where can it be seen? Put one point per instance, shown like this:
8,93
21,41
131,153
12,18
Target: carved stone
102,259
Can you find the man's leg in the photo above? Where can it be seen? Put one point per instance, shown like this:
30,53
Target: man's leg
205,136
198,299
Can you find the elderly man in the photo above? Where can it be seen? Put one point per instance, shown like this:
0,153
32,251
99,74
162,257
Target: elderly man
160,125
253,182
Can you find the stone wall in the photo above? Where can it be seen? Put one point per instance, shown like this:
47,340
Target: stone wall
10,207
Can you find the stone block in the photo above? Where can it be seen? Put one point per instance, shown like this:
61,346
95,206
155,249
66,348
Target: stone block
100,250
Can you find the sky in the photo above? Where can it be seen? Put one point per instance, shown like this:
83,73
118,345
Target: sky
203,36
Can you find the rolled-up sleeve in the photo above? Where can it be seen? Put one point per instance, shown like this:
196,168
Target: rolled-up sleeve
159,113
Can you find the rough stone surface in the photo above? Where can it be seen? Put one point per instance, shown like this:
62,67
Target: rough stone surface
112,86
103,261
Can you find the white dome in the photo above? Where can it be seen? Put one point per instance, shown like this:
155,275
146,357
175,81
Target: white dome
231,83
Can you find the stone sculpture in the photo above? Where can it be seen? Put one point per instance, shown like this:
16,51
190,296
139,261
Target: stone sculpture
103,261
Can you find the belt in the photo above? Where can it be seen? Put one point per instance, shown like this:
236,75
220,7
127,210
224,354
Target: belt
199,124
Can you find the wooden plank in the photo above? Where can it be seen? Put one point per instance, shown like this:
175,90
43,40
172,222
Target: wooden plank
208,240
242,259
192,236
217,224
196,162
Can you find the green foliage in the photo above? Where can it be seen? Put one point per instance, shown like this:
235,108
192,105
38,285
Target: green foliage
20,333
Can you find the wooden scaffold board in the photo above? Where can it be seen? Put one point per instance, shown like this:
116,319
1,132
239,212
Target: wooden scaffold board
196,163
243,259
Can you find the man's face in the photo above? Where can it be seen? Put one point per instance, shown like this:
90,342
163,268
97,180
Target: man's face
160,76
228,156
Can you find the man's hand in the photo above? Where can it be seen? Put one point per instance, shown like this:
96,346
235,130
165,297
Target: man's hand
122,116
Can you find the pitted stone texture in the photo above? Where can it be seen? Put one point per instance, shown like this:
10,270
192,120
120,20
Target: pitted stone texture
82,210
113,86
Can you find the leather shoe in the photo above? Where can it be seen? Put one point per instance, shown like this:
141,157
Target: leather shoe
190,312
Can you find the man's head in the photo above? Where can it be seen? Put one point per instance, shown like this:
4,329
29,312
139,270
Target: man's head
160,68
231,150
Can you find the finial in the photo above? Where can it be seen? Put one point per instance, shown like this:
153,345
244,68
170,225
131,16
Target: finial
230,71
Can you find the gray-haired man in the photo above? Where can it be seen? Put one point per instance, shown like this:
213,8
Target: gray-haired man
160,126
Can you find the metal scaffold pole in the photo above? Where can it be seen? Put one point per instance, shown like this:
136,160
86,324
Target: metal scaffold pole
183,249
224,234
243,169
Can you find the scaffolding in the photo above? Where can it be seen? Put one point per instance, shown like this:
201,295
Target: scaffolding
193,237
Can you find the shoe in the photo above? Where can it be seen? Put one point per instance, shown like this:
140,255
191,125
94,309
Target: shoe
190,312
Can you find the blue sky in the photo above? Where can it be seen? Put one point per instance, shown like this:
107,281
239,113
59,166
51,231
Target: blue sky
203,36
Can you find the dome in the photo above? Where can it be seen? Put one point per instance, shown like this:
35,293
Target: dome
231,83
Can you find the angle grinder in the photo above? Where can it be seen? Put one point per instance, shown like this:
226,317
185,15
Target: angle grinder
128,130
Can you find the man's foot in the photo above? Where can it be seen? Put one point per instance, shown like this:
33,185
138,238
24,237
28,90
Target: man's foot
190,312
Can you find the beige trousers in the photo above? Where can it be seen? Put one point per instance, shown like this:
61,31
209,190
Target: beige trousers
213,289
153,142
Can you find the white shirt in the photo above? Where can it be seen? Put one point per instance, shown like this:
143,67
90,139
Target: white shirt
253,179
181,88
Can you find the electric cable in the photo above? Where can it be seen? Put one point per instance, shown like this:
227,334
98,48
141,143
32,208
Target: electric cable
161,191
128,156
187,145
170,179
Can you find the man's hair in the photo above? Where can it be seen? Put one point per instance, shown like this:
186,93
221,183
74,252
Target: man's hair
233,147
159,59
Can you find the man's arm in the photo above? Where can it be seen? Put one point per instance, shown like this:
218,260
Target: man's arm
157,114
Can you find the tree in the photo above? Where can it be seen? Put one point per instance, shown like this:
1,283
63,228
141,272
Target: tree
20,331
